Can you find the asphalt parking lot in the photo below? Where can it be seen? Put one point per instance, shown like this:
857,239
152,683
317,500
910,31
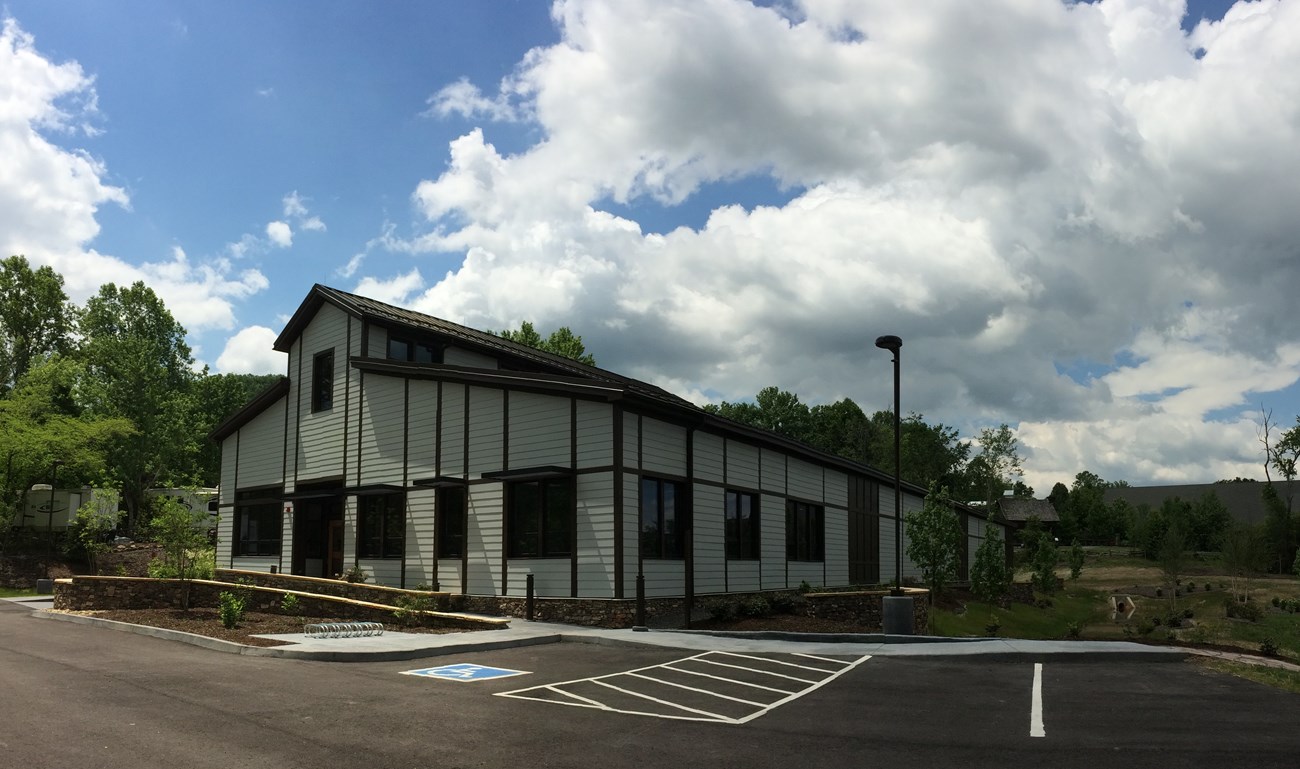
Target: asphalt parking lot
82,696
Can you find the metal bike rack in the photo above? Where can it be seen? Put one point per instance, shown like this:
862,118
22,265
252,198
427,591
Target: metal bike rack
343,629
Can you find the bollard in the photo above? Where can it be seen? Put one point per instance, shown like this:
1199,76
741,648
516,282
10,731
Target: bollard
528,600
640,600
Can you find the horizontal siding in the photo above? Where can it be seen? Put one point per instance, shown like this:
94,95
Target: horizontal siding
226,489
773,468
349,530
382,571
261,448
631,523
596,535
378,341
320,441
743,576
805,479
742,465
837,547
422,430
419,537
383,405
291,419
664,578
449,576
595,434
631,441
539,430
709,537
887,568
225,535
459,356
255,564
771,524
836,487
664,445
552,577
486,409
708,457
483,539
806,571
453,429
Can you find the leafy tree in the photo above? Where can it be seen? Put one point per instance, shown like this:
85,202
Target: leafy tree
930,453
1209,520
998,465
1076,559
839,428
562,341
96,521
182,534
139,368
36,318
1173,559
1243,553
1059,496
990,578
1043,563
1279,530
935,539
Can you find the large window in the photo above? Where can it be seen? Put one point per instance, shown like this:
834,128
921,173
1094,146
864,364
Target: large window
400,348
322,381
804,540
258,522
381,526
742,525
451,522
664,519
540,520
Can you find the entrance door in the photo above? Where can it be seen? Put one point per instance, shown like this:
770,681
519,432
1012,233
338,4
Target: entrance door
335,548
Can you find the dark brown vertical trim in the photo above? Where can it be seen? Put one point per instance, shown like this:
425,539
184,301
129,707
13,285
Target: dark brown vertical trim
688,585
573,496
406,455
786,457
464,470
234,518
347,400
437,434
505,429
640,463
297,415
640,445
437,470
726,562
825,554
619,534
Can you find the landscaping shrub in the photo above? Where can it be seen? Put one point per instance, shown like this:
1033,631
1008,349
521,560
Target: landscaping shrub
1277,601
355,575
784,603
804,587
1074,630
755,606
992,628
230,608
289,604
721,609
1268,647
1247,610
1076,560
411,609
989,575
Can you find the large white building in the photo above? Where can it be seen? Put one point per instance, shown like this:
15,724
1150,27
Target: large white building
425,452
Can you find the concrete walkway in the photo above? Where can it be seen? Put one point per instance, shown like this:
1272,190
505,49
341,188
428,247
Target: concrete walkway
397,645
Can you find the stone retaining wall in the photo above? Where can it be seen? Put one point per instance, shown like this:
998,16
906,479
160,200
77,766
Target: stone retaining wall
356,591
865,607
87,593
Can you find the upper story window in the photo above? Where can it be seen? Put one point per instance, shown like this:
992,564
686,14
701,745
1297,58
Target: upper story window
804,531
407,349
381,526
322,381
664,519
742,525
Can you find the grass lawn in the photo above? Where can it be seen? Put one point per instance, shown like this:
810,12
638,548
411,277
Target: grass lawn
1288,680
1075,605
7,592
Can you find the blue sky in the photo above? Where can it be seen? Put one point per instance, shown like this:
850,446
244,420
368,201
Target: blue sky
1077,225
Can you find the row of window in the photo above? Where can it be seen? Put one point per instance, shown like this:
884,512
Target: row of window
322,367
539,523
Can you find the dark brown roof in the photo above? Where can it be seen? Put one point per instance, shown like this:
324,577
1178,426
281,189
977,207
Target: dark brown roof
260,402
1019,509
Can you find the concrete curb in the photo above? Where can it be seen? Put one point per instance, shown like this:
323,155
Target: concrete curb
855,638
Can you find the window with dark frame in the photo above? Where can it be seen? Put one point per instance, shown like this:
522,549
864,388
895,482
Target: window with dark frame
322,381
258,522
804,531
381,526
664,519
741,526
451,522
413,351
540,518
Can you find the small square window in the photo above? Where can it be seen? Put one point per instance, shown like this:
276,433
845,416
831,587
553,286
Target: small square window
322,381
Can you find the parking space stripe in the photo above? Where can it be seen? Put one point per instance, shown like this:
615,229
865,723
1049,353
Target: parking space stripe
823,659
764,672
778,662
728,680
701,691
1036,704
626,688
716,716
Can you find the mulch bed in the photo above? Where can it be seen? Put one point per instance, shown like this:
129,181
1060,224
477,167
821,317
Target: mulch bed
789,623
206,622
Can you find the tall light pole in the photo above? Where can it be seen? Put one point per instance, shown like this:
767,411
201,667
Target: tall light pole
898,616
49,525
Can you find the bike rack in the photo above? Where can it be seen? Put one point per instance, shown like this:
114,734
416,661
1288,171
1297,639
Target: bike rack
343,629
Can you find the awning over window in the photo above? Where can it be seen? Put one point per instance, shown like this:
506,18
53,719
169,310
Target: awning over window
439,481
540,473
375,489
313,494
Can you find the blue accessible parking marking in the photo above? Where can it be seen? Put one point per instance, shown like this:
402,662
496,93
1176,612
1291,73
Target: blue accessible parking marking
464,671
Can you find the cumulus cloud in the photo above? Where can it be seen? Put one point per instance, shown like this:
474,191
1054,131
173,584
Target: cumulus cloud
1019,190
249,352
49,194
279,234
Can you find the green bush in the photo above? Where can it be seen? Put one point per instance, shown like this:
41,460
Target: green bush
1247,610
755,606
804,587
784,603
1277,601
356,575
1268,647
230,608
721,609
992,628
1074,630
1076,560
289,604
411,609
989,576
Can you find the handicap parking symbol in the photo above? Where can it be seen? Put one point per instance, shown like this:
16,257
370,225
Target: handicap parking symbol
464,671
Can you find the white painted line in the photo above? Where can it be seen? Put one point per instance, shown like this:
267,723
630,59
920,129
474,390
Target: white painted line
777,662
1036,707
764,672
701,691
619,673
579,697
714,716
823,659
799,694
728,680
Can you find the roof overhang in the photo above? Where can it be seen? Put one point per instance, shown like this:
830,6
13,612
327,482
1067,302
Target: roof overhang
439,482
539,473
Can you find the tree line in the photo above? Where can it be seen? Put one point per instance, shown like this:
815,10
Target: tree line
103,394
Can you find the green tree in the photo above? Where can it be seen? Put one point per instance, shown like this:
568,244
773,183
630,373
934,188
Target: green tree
931,453
990,577
1076,559
140,368
998,465
1173,559
1043,563
839,428
1059,497
1208,521
182,534
36,318
94,524
1279,529
935,539
1243,554
562,341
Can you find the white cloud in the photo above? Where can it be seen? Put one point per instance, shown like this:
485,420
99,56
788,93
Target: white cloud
1071,184
279,234
397,290
249,352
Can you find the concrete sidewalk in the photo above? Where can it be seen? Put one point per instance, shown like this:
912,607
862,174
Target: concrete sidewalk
397,645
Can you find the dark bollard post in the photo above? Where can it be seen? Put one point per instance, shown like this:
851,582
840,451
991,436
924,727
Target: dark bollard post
690,580
528,601
640,600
